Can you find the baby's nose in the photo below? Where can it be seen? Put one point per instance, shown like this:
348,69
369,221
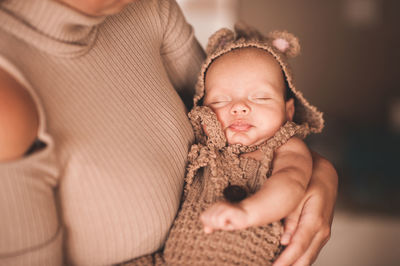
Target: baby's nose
240,109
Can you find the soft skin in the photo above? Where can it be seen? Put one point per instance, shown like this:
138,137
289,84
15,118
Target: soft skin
307,228
285,188
245,88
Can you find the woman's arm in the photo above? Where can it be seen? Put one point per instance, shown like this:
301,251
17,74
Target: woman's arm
181,52
308,228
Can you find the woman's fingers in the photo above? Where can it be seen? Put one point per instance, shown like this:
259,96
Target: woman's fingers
314,224
299,244
312,252
313,231
291,223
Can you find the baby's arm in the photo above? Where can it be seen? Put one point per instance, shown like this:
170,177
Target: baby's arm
279,195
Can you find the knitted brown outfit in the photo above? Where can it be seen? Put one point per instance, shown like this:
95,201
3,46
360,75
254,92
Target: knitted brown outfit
216,171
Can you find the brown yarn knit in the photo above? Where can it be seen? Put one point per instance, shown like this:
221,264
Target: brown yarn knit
281,45
222,168
217,171
212,168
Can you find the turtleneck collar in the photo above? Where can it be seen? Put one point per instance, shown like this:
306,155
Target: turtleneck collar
50,26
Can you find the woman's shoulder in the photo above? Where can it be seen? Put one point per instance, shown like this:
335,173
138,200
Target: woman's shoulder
19,120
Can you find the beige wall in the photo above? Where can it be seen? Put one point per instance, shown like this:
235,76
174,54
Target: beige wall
349,71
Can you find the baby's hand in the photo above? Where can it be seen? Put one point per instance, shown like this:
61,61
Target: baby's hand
225,216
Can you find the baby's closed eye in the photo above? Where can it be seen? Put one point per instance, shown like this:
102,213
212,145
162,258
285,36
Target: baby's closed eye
218,101
260,96
260,99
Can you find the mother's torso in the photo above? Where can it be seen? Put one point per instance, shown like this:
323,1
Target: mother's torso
120,129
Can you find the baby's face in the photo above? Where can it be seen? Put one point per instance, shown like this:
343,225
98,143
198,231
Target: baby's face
245,89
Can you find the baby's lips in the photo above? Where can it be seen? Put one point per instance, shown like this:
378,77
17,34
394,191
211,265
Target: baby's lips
240,126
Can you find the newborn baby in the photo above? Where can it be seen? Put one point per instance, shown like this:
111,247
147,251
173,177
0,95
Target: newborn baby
249,157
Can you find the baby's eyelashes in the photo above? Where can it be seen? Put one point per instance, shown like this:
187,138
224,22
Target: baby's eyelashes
260,96
259,99
219,103
222,101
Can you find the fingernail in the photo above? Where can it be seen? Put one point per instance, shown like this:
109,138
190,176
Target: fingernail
229,227
207,230
285,238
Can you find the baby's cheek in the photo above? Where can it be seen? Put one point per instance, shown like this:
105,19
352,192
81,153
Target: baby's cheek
222,118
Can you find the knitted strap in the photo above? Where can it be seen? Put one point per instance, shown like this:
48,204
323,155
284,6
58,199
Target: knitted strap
203,116
287,131
199,156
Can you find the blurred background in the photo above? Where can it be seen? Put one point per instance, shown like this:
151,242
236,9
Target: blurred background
349,68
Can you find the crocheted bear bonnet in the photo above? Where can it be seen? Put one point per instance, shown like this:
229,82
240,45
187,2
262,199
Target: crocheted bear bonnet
282,46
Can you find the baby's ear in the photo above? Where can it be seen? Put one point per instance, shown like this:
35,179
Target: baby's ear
219,40
290,109
285,42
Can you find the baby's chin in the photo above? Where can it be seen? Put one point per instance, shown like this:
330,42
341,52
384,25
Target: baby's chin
242,141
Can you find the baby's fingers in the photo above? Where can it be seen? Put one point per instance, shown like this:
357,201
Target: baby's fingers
208,229
213,218
223,216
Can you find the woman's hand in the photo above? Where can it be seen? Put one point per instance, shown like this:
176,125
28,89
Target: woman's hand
308,228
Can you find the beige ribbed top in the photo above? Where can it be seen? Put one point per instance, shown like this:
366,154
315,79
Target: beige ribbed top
107,186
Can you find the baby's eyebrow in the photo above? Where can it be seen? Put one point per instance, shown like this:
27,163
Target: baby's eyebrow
220,95
217,97
260,92
216,94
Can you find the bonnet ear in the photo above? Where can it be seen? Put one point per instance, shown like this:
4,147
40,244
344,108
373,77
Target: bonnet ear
285,42
219,39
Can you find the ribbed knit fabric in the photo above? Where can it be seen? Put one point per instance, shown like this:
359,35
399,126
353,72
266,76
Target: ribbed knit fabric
107,186
215,167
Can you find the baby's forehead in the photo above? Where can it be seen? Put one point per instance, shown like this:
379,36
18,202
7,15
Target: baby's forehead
244,56
248,52
247,59
254,65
